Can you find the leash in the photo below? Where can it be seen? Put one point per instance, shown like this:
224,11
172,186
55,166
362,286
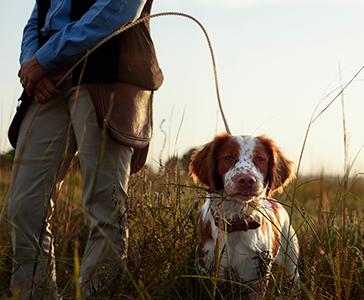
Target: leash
119,31
143,19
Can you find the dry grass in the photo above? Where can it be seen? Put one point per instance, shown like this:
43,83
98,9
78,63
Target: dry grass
163,208
162,218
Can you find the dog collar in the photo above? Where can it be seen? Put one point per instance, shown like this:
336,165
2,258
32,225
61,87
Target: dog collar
235,224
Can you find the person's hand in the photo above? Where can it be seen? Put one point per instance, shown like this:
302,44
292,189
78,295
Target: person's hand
46,89
30,73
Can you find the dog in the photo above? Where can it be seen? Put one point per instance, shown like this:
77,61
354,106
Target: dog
242,232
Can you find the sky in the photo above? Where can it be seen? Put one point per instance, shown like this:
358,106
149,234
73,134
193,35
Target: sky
276,62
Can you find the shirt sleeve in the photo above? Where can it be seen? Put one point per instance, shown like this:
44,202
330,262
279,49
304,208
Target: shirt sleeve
29,45
104,17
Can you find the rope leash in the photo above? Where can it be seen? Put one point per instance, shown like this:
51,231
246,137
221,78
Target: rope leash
143,19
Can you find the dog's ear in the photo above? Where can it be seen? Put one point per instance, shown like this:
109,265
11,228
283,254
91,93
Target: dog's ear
203,165
280,168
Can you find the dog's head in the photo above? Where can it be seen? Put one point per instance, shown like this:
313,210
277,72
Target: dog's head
245,167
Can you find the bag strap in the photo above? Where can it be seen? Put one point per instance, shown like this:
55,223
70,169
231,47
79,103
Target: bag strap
43,8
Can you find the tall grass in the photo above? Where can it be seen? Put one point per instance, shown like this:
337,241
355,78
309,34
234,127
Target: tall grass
163,209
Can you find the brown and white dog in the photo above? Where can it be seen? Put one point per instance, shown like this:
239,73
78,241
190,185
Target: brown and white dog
242,231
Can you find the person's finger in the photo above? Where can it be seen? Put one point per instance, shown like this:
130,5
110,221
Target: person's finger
46,94
23,82
41,88
55,78
42,96
46,90
48,85
29,87
38,97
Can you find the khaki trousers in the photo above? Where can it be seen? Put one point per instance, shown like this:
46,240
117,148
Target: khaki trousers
50,136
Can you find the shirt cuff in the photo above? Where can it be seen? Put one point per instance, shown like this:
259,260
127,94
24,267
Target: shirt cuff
52,64
25,57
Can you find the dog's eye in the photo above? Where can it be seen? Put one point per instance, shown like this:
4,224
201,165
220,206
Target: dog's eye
260,159
228,157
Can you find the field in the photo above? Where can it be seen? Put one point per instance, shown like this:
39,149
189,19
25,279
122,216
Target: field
163,209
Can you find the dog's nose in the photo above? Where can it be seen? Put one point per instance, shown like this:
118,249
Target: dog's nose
246,180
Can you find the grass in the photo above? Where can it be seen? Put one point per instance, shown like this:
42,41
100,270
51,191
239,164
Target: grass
163,210
327,214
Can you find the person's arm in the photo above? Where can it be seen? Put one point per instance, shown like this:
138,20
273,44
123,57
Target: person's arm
29,45
30,72
67,45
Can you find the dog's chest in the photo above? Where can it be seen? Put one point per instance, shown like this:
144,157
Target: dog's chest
244,255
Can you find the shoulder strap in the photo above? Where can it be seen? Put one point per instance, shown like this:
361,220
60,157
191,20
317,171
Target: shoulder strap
43,8
148,7
79,8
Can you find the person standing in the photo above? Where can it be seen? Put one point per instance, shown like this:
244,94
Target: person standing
67,118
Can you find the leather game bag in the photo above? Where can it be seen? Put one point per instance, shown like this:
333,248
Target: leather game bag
124,111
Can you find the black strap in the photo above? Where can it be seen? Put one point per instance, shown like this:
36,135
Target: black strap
43,8
79,8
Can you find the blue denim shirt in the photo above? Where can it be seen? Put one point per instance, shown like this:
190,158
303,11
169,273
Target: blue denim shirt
72,39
